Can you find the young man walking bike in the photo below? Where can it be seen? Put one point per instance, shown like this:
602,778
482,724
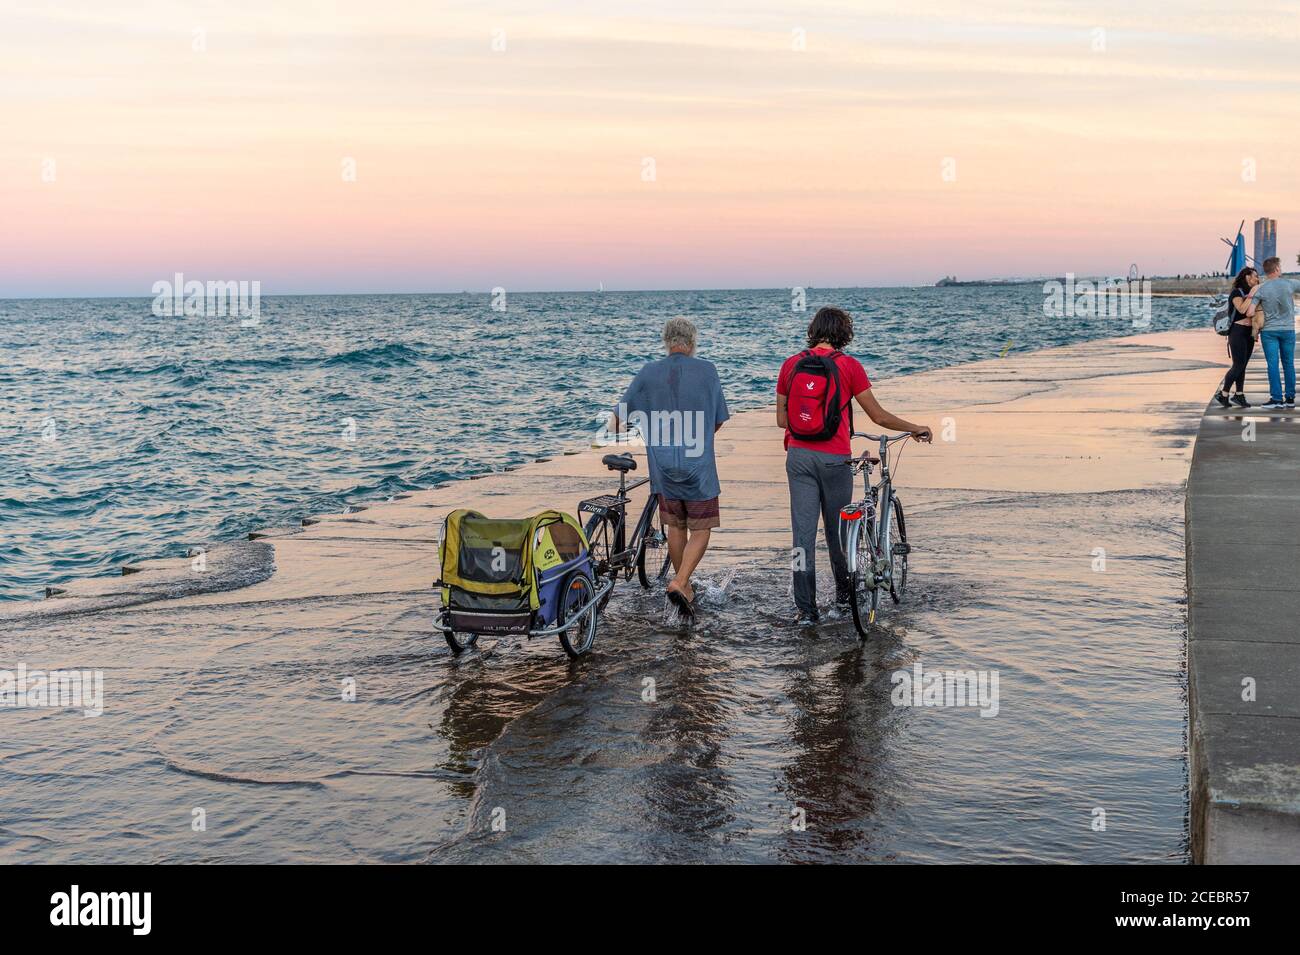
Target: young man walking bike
814,396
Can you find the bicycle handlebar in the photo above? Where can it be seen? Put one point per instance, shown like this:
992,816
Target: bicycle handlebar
866,459
888,439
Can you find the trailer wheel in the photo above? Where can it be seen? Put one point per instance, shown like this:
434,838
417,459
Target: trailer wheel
579,633
460,642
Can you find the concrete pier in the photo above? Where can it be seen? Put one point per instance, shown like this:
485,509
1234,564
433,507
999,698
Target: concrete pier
1243,582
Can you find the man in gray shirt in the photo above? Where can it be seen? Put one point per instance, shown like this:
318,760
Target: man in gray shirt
1275,302
676,404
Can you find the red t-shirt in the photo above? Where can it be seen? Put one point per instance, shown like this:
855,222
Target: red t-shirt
853,381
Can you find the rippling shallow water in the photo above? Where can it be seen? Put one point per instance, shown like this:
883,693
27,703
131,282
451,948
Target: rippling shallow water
752,718
168,433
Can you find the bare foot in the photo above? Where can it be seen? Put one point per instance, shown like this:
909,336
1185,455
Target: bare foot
686,590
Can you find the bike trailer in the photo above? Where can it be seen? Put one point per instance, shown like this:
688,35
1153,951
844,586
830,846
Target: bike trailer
505,576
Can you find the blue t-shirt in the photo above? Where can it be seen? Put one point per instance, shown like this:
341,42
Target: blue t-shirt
676,404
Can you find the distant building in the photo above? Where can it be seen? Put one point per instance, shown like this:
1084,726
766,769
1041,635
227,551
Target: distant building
1265,240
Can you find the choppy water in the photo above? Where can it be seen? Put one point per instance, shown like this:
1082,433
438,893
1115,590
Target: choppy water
127,436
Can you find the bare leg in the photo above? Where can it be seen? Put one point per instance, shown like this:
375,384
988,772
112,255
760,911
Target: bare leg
696,545
676,544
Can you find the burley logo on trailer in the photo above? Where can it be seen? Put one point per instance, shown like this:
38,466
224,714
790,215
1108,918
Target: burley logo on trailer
545,553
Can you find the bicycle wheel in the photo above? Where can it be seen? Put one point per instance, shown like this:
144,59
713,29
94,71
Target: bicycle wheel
898,550
864,596
578,589
652,560
600,544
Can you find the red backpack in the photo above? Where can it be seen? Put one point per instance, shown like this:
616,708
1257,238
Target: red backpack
815,405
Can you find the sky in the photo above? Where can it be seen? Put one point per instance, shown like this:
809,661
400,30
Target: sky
425,146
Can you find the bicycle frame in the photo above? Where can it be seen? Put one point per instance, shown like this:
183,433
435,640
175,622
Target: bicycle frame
872,515
622,551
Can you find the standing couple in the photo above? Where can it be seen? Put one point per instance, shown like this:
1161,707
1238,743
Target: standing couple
817,447
1265,312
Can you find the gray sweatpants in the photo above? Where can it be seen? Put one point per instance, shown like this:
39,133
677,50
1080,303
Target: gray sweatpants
820,484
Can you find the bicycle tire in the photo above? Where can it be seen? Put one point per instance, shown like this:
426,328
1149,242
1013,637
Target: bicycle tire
897,579
864,595
600,545
644,548
579,587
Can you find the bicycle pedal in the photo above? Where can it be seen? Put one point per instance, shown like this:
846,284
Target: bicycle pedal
903,548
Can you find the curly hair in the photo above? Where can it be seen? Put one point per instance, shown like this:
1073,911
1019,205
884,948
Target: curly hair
680,333
831,325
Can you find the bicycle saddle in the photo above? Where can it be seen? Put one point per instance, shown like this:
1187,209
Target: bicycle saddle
619,462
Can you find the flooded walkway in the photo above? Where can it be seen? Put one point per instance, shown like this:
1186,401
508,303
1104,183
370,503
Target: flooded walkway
1048,552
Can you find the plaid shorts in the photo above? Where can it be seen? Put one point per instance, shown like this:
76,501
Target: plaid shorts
693,515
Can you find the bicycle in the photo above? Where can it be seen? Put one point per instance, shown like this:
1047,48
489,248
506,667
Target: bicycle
612,553
873,534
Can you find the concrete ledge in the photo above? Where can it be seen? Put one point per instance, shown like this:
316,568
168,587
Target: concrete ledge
1243,584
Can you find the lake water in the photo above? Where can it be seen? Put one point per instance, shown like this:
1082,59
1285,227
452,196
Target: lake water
126,436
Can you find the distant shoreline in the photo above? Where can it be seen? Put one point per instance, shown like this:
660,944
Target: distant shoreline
783,290
1160,285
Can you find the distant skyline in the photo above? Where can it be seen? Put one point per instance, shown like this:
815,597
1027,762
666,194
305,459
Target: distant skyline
823,144
987,281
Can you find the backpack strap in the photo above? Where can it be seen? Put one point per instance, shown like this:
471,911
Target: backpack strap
839,379
836,354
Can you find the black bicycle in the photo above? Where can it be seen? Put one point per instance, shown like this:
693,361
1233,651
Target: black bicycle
616,554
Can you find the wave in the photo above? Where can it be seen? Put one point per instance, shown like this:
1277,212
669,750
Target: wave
247,779
380,356
392,355
142,371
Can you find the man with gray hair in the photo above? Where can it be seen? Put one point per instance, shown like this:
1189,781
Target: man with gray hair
676,404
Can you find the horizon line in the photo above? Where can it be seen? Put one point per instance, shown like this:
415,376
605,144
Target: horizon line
591,291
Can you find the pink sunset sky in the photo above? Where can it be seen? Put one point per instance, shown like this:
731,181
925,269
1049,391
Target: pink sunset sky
792,143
